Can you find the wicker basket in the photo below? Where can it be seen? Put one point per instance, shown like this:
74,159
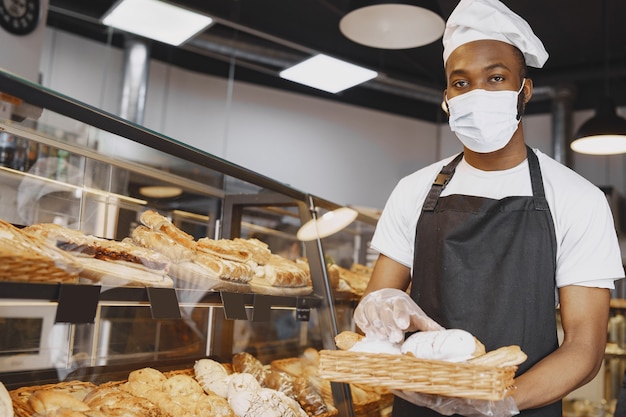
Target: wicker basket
20,267
404,372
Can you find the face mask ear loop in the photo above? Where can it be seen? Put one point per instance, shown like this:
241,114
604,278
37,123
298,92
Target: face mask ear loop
444,105
520,101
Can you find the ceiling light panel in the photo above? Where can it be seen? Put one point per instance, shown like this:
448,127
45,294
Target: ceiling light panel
327,74
156,20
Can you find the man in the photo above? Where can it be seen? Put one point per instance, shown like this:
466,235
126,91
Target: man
492,240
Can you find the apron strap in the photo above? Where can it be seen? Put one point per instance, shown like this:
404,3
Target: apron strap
536,180
440,183
444,176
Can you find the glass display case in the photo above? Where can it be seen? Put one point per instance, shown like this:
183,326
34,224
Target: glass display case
66,163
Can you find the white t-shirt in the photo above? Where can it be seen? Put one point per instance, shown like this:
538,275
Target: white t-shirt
587,254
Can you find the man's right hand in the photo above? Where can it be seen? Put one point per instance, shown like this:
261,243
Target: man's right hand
388,313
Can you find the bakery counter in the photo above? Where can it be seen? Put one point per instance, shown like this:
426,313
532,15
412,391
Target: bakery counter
131,276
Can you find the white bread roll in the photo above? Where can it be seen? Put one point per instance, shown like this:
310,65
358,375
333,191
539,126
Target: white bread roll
6,404
452,345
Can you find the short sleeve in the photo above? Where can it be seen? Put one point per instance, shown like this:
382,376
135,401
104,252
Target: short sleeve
589,250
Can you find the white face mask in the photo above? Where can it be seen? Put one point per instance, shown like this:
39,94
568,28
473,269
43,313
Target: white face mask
484,121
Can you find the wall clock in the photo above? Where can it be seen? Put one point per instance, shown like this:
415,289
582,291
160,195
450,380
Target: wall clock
19,17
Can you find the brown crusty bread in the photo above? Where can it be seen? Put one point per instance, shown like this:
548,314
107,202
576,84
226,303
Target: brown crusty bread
346,339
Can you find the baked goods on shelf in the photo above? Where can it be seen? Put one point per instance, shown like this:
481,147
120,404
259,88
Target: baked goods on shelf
157,254
150,392
366,401
107,262
351,282
208,263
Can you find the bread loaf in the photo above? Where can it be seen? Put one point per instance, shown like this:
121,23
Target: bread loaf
244,362
281,381
308,397
247,398
503,356
346,339
47,401
453,345
212,376
114,402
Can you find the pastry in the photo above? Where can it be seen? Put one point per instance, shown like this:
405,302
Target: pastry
260,251
162,243
120,273
114,402
503,356
346,339
214,406
281,381
46,401
283,272
76,241
183,386
244,362
453,345
148,376
212,376
157,222
347,280
310,400
248,399
225,248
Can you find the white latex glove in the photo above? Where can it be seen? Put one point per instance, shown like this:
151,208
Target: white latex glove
388,313
463,406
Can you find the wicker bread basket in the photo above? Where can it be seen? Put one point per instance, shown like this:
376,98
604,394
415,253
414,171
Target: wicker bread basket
405,372
32,268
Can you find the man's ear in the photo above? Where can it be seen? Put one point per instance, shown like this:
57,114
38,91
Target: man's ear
444,104
528,90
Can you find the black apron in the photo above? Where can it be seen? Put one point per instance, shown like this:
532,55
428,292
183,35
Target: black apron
488,266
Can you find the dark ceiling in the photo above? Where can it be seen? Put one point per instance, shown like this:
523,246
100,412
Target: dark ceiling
262,37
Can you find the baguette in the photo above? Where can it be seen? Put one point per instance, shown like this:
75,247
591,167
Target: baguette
504,356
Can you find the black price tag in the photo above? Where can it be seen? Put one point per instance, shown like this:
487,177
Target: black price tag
77,304
262,308
303,310
163,303
234,305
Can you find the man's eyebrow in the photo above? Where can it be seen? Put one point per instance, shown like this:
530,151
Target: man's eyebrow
457,72
497,66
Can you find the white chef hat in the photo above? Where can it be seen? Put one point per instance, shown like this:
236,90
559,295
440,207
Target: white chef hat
474,20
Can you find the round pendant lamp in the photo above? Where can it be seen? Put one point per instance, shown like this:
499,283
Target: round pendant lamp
603,134
330,223
393,25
